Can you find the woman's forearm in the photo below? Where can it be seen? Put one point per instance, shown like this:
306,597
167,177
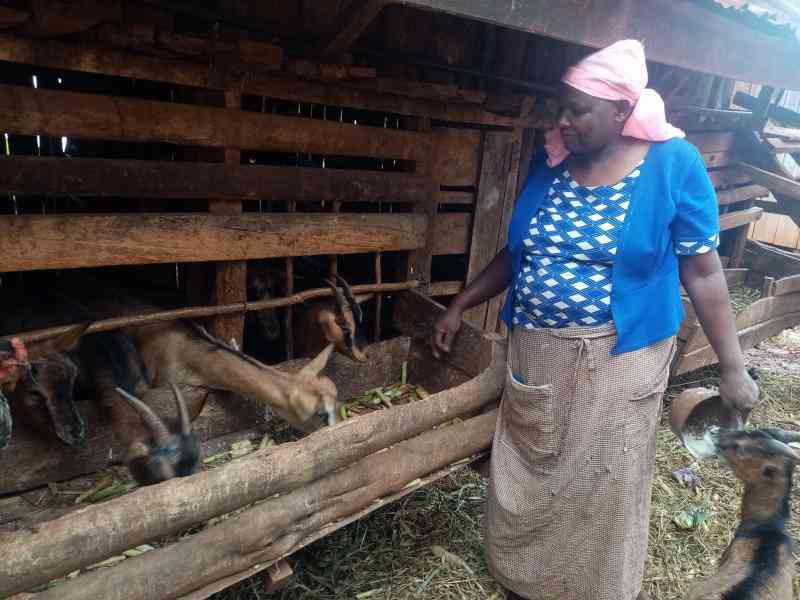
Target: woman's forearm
495,278
704,280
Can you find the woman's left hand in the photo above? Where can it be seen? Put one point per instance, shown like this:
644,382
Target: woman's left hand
738,391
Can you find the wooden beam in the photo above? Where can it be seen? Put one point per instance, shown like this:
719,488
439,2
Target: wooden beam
188,180
779,113
787,285
430,100
698,118
30,111
50,242
451,233
356,17
740,217
748,192
51,18
445,288
679,34
729,177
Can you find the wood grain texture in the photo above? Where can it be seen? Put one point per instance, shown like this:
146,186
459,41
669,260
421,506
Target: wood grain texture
451,233
29,111
457,158
160,179
739,218
47,242
740,194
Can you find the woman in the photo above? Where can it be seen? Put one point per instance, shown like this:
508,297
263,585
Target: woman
605,231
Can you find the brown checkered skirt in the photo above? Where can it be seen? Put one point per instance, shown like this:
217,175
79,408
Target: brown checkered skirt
572,463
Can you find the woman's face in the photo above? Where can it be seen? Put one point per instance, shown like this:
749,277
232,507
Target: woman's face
589,124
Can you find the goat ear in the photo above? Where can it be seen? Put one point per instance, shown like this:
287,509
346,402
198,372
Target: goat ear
315,367
68,341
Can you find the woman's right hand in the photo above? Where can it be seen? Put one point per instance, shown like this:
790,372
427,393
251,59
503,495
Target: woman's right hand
445,330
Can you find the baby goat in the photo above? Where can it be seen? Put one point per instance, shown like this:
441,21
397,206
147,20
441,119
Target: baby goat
758,564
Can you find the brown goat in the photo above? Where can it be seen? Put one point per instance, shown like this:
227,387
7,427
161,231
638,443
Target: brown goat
337,320
758,564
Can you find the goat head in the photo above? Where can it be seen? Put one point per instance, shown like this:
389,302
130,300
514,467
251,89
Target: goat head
44,396
343,327
758,455
162,454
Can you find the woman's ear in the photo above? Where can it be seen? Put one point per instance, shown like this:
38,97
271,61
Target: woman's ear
624,110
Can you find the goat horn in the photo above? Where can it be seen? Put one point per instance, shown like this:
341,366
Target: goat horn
348,293
337,293
783,449
782,435
148,417
183,413
318,362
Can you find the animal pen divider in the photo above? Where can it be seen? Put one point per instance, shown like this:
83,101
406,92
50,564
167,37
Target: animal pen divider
194,155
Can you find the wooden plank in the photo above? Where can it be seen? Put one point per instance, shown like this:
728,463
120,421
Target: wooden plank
774,182
787,285
456,197
12,17
747,339
781,146
779,113
378,96
187,180
729,177
229,279
489,208
49,242
451,233
457,160
714,141
29,111
787,233
52,18
719,159
748,192
356,17
679,34
697,118
739,218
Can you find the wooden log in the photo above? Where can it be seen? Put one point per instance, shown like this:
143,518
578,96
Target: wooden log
160,179
451,233
380,96
160,510
740,194
50,242
207,311
273,528
739,218
29,111
30,461
787,285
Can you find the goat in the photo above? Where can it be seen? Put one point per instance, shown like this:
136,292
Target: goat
337,320
42,397
758,564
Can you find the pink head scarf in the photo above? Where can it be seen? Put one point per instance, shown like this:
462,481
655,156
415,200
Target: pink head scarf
618,72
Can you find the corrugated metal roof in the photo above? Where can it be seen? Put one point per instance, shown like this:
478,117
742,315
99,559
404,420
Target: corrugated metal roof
781,16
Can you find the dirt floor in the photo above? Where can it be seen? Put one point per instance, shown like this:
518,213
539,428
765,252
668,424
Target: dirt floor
395,553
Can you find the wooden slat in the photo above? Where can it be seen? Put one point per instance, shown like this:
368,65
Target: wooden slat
48,242
452,197
729,177
697,118
355,18
787,285
714,141
457,160
451,233
489,209
30,111
719,159
187,180
748,192
780,146
739,218
380,95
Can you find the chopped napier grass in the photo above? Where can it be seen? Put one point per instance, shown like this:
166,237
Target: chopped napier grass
391,553
742,297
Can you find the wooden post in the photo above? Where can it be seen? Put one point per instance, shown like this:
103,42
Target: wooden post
378,297
229,278
278,574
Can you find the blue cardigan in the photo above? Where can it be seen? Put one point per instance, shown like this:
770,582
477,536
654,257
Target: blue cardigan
674,199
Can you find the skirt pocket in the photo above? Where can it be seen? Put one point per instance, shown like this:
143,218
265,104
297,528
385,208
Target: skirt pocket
529,419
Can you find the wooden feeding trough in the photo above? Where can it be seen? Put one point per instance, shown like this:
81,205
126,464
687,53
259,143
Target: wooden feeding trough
282,497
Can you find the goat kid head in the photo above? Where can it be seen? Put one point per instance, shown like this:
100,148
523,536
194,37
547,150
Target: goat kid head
44,396
343,322
760,456
162,454
261,285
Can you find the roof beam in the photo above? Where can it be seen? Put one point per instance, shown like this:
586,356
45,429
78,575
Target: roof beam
675,33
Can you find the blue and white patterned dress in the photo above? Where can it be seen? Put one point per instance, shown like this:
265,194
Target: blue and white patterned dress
570,250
